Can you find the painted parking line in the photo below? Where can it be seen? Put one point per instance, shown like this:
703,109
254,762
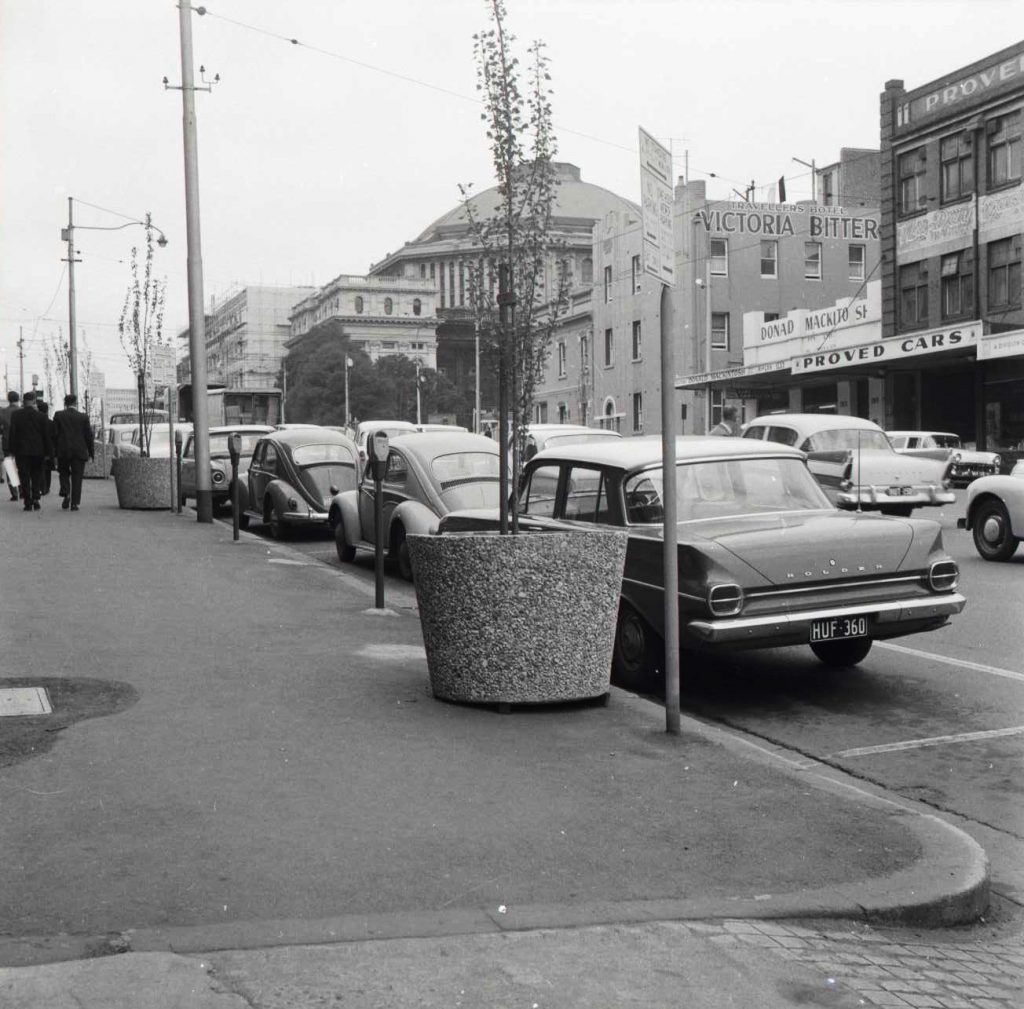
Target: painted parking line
915,744
1008,674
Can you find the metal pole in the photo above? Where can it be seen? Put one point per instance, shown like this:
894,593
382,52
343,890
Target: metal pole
72,342
707,334
196,319
504,299
378,540
21,362
175,487
670,552
284,389
418,421
347,415
476,359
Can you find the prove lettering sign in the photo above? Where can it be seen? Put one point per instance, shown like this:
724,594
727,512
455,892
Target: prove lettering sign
659,256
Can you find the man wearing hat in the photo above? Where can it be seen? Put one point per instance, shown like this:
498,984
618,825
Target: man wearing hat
29,442
10,467
73,434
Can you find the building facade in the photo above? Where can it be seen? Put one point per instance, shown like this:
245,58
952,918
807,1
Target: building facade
246,333
383,316
952,224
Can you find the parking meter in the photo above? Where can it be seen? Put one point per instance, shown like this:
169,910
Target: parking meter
377,453
235,452
177,456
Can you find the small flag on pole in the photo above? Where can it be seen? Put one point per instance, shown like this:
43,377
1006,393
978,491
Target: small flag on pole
782,189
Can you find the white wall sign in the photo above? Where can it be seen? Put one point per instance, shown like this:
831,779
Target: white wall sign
1001,215
1001,345
936,232
659,257
893,349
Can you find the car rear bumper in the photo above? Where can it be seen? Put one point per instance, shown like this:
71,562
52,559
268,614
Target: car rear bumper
884,618
879,496
304,518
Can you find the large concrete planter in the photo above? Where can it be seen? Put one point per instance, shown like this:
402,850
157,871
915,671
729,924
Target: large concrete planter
98,467
519,619
142,482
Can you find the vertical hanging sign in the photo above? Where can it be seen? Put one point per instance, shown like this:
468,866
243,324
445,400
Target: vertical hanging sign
659,258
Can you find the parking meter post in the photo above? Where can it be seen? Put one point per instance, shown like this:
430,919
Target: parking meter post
377,451
235,452
177,467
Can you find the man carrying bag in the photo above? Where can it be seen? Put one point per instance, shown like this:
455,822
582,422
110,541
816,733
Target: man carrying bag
10,469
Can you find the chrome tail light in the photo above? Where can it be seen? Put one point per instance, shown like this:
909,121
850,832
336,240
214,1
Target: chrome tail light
217,476
943,576
725,600
947,477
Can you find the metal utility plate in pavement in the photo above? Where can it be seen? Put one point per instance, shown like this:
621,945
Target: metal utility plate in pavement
24,701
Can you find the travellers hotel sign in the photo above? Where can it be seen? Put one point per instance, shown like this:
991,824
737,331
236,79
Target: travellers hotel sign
776,220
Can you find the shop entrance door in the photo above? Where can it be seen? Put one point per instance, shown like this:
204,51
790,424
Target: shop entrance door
947,403
904,401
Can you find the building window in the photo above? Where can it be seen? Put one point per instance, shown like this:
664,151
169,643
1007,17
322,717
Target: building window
717,403
389,306
812,260
769,259
770,316
637,341
433,271
1004,149
588,270
607,284
609,347
957,157
584,352
638,411
541,413
957,285
561,359
636,274
857,257
719,257
912,167
451,283
1003,273
462,283
913,296
441,286
359,304
423,271
720,330
417,306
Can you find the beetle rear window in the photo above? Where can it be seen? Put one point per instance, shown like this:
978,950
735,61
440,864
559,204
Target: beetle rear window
465,466
322,452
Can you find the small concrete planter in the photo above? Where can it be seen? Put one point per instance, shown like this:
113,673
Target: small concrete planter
519,619
142,482
98,467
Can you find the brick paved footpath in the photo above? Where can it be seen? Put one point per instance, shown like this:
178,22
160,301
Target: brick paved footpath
884,972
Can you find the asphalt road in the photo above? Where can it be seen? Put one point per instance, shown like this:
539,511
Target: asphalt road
937,717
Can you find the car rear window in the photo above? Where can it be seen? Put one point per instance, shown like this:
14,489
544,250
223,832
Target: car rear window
322,452
847,438
447,469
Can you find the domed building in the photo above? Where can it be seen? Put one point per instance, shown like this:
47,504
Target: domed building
442,253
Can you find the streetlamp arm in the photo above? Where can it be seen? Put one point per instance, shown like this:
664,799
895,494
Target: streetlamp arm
161,241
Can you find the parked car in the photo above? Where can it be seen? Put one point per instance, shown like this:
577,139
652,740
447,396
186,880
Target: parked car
220,464
119,438
293,474
995,514
427,476
441,427
160,444
392,428
856,464
542,436
968,464
765,559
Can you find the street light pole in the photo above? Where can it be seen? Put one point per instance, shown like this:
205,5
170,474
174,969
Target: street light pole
348,364
72,341
196,320
418,421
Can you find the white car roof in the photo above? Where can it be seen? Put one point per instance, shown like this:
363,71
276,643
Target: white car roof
631,453
918,434
809,423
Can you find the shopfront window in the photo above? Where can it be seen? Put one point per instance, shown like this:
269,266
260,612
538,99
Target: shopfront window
1004,414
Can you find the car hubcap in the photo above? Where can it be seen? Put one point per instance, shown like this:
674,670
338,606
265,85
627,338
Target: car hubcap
631,642
992,530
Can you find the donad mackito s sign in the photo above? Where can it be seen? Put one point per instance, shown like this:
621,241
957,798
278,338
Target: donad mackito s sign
935,341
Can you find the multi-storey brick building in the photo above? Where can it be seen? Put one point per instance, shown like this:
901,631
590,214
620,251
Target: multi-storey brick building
952,223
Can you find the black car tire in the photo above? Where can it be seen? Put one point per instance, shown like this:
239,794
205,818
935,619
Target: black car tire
842,654
993,536
278,530
346,553
243,521
638,651
401,553
898,511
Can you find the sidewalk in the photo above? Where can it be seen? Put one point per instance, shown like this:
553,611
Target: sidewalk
244,756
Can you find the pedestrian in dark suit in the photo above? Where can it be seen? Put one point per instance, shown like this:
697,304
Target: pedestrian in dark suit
73,435
30,445
49,463
5,428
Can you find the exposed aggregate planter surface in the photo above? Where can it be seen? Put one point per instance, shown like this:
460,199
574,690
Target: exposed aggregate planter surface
98,468
519,619
142,482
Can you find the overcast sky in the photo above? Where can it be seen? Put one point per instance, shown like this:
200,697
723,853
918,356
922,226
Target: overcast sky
320,158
